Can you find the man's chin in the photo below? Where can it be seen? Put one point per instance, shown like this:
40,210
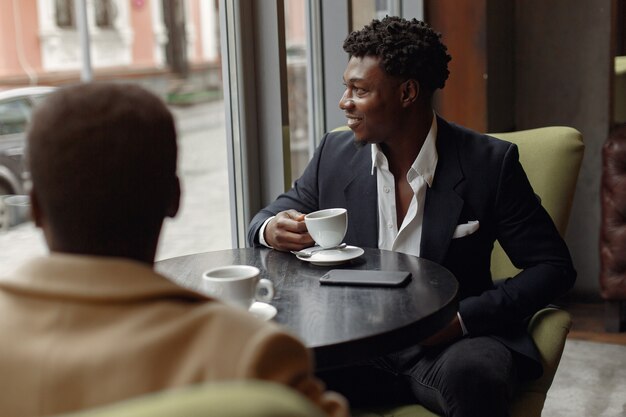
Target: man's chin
360,142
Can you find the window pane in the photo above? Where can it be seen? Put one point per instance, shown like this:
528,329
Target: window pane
295,39
13,116
64,13
105,13
194,97
363,11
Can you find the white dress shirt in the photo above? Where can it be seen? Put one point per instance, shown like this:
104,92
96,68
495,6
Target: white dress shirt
407,237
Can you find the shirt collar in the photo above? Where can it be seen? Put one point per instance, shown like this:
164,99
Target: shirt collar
426,161
378,158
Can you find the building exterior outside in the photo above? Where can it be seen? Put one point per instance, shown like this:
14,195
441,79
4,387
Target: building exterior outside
39,40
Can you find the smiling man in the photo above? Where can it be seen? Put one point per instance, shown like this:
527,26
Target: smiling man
417,184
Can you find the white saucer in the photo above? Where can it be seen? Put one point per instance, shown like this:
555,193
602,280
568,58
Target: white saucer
334,256
263,311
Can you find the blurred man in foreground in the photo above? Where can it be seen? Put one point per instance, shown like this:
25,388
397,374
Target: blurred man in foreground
92,323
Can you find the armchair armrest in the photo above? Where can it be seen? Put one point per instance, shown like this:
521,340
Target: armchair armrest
249,398
549,328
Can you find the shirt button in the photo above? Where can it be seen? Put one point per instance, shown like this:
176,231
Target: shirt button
386,189
390,225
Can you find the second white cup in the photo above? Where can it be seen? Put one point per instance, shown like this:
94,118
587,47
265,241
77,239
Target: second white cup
327,227
238,285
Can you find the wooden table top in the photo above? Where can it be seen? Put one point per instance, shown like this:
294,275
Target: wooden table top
342,324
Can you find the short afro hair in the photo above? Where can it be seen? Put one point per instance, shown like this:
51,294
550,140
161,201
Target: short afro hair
102,158
407,49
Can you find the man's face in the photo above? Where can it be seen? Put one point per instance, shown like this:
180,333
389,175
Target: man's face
372,101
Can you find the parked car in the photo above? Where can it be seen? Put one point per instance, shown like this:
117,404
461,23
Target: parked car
16,107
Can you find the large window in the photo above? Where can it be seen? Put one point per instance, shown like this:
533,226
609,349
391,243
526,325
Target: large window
245,133
296,45
195,99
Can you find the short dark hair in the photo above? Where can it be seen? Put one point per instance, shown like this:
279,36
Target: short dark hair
407,49
102,158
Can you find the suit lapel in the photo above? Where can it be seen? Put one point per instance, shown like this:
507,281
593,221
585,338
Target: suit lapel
443,203
361,199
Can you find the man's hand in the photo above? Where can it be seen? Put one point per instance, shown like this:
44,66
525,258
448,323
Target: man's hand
450,333
287,231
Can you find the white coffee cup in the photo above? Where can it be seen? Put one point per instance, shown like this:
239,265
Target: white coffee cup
237,285
327,227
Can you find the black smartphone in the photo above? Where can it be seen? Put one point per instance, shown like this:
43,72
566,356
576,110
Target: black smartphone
362,277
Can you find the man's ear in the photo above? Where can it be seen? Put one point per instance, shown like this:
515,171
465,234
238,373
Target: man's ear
35,208
174,204
410,92
39,218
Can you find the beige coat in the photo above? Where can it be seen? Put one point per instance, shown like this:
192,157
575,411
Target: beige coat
79,331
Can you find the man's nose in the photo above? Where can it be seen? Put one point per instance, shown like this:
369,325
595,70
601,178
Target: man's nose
345,102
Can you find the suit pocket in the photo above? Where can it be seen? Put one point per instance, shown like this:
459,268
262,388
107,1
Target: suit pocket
466,229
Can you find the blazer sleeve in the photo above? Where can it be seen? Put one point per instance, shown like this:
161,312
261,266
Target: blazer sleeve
532,242
303,196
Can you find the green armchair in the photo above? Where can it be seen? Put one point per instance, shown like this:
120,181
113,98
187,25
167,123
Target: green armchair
223,399
551,157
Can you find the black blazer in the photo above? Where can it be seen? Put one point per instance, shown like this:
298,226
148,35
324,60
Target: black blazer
477,178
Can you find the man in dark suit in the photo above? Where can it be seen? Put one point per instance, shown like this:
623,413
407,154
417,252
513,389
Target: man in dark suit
417,184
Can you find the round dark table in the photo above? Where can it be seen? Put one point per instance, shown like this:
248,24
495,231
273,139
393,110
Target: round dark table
341,324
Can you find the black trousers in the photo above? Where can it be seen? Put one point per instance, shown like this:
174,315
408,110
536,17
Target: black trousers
468,378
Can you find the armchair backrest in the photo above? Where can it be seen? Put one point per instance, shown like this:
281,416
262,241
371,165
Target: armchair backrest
551,157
